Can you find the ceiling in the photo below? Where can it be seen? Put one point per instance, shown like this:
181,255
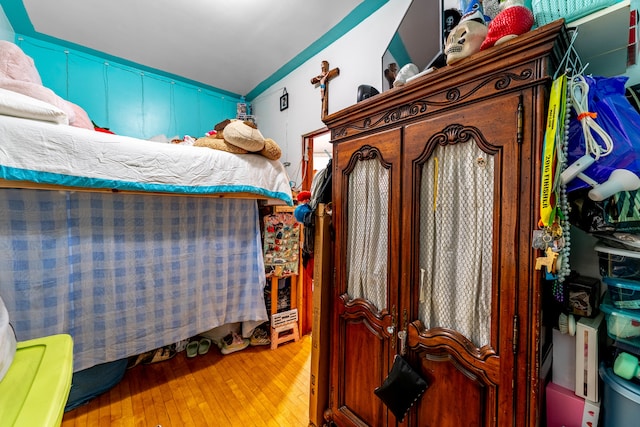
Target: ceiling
239,46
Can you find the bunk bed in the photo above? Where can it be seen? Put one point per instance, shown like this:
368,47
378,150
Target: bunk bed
126,244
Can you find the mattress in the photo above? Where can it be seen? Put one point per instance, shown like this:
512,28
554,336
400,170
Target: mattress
57,154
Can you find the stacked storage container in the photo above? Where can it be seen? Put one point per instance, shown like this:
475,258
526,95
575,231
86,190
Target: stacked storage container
620,270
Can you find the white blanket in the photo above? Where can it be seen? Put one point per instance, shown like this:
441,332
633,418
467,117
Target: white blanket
43,152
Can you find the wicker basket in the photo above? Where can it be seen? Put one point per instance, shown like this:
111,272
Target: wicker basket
545,11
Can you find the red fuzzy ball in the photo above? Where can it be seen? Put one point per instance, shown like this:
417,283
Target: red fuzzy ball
303,196
511,22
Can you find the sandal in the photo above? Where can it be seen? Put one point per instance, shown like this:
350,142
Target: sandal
192,348
203,346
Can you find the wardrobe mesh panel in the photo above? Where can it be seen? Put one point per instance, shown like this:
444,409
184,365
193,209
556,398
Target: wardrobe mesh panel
456,223
368,228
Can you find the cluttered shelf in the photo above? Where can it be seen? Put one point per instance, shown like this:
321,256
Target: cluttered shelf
284,297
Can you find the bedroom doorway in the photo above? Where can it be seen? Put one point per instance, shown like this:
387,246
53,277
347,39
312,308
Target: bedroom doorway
316,152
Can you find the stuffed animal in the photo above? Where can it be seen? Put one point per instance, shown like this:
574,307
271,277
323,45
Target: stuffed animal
243,134
271,149
514,19
240,137
475,12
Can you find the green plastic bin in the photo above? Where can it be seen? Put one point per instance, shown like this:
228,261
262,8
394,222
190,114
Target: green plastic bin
35,389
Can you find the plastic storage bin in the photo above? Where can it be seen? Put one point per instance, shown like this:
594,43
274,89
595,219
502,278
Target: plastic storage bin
620,401
36,387
622,325
623,293
618,262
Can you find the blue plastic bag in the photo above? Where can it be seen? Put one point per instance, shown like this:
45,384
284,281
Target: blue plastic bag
619,119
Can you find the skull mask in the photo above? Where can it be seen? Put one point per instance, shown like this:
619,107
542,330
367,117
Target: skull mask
448,23
464,40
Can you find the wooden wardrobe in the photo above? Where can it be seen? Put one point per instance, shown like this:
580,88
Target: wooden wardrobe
435,196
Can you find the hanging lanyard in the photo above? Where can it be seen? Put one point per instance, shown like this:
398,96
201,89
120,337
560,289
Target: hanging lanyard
555,123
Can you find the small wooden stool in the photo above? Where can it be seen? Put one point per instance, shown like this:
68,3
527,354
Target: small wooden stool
284,322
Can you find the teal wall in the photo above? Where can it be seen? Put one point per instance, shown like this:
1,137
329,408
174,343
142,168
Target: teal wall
6,30
127,100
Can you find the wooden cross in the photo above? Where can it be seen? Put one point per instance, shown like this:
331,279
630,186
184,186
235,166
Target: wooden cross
323,80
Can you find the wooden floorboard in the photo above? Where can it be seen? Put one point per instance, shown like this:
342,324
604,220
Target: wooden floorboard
254,387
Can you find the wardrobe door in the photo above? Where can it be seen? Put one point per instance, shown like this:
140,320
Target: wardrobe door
366,200
462,179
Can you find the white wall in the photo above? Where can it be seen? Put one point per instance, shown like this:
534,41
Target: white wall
358,55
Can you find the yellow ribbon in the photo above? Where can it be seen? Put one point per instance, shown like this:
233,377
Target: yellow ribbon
435,184
555,119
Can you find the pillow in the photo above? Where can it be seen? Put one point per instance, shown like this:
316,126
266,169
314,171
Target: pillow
244,135
16,65
401,389
19,105
82,119
18,73
7,341
39,92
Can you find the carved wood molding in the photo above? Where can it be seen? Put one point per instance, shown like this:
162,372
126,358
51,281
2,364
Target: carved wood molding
362,310
501,82
446,344
456,134
366,152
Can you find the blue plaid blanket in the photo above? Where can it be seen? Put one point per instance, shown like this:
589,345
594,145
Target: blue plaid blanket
124,273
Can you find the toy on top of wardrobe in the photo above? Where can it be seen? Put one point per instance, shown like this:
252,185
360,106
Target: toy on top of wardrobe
478,31
475,10
451,18
474,30
466,37
513,20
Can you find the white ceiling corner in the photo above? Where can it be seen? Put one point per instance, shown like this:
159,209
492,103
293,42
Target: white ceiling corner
230,45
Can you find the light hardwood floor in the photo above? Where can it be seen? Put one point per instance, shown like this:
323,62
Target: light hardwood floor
253,387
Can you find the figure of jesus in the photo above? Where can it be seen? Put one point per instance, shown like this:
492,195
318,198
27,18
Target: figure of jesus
323,80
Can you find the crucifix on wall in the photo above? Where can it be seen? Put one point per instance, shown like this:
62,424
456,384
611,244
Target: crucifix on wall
323,81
